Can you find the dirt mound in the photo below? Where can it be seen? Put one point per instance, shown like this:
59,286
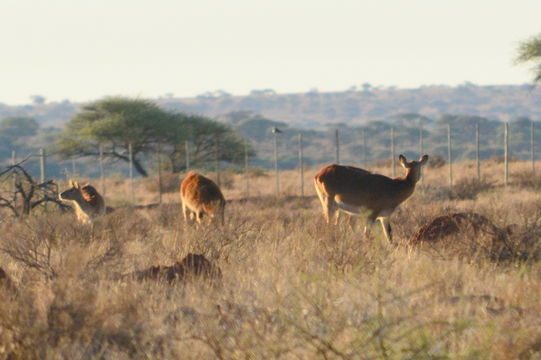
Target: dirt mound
464,235
192,267
455,224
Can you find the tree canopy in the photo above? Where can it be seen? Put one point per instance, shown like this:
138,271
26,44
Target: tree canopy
529,51
117,122
208,141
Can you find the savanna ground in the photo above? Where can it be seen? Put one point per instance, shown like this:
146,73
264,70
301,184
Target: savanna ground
292,287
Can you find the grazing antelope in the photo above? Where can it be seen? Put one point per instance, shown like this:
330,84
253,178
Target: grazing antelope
201,196
88,203
359,192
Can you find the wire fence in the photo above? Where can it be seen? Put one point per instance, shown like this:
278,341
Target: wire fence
280,151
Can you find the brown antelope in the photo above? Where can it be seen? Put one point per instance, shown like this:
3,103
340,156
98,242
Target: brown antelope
201,196
358,192
88,203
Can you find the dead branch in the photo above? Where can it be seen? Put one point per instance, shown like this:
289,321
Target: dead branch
28,190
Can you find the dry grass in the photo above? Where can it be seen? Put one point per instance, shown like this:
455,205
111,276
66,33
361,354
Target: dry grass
292,287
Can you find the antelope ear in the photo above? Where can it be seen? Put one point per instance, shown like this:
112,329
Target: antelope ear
403,161
423,160
76,185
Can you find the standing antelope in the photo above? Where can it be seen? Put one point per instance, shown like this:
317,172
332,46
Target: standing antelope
88,203
359,192
201,196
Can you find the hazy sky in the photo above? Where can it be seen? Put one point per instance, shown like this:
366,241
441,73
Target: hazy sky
84,50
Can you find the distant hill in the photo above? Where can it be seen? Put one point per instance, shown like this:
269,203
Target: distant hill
363,117
354,107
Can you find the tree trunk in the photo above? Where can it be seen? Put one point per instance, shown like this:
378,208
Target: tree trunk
137,165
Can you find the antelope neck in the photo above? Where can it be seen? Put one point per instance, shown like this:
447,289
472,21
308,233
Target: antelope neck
409,177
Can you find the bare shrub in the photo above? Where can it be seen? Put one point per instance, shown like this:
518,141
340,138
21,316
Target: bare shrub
165,215
463,189
255,172
523,242
227,179
53,245
469,188
79,326
436,161
500,159
431,193
382,163
33,249
526,180
21,336
170,183
21,193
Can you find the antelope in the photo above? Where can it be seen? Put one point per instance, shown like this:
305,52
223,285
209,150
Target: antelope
88,203
201,196
359,192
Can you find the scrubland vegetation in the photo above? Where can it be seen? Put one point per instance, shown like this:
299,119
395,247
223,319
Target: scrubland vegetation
292,287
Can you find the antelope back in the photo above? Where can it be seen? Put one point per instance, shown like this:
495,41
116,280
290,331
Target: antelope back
199,192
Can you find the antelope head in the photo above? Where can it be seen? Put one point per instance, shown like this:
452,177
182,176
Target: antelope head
413,168
73,193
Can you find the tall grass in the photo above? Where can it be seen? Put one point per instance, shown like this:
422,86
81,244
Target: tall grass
292,287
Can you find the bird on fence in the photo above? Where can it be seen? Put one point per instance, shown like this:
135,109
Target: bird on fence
275,130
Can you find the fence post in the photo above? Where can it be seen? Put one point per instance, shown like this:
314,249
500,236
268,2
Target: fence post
301,164
477,155
42,164
102,177
506,153
42,170
130,158
450,155
73,169
532,147
337,145
246,168
421,145
393,152
217,161
365,150
187,151
160,189
421,140
276,169
13,162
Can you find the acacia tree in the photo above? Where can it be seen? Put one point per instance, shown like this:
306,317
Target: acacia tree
208,141
529,51
118,122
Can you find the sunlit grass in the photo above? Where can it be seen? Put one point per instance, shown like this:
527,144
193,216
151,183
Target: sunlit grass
292,287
